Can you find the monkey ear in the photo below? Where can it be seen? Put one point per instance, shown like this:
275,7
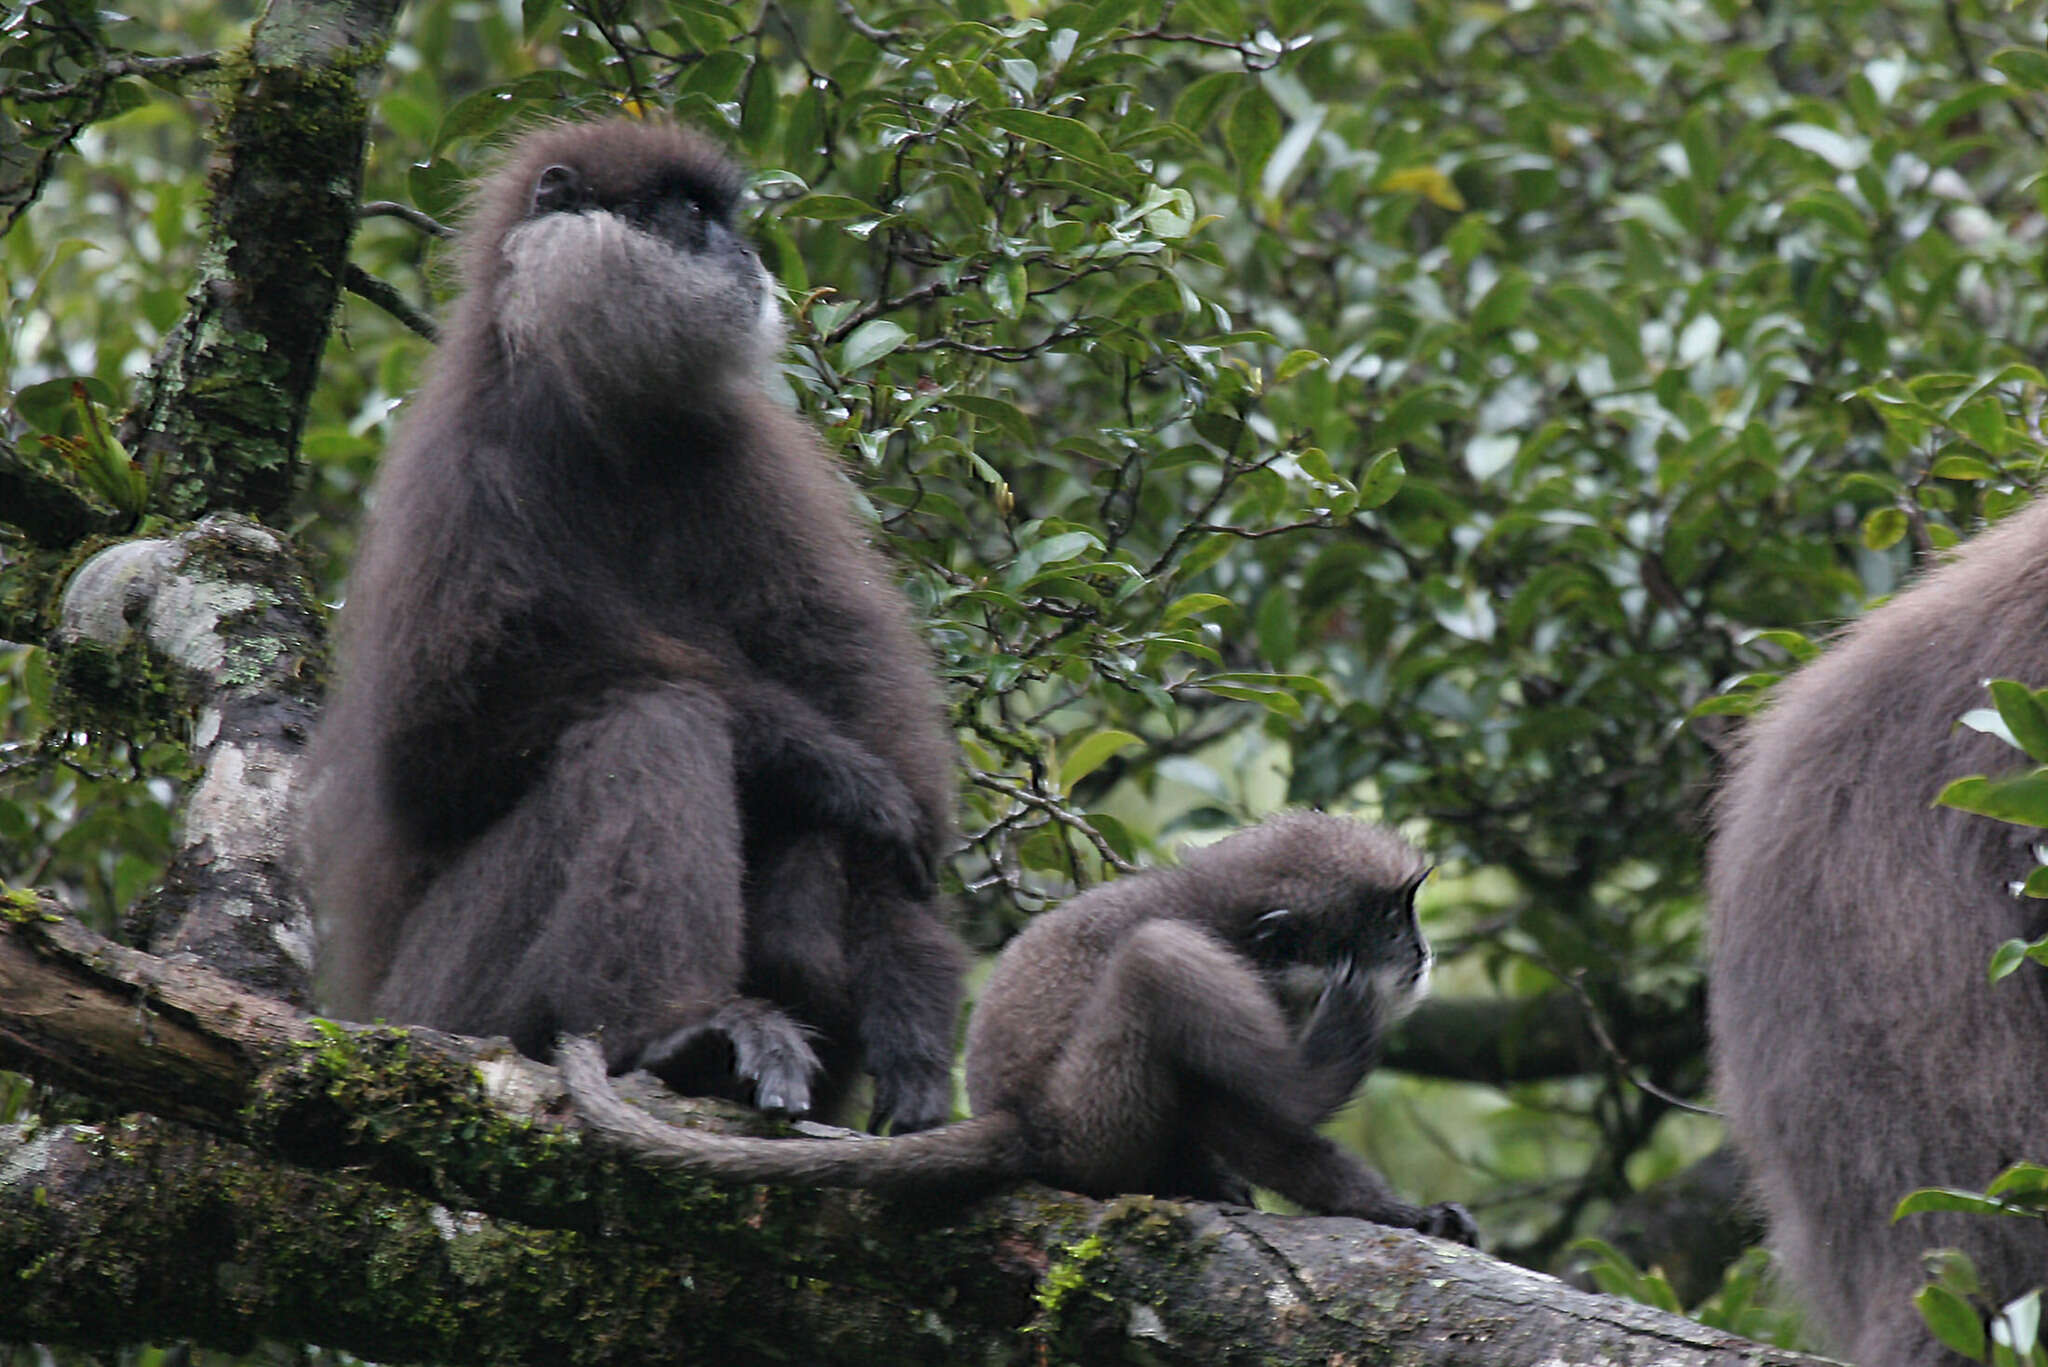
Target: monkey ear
1414,885
557,188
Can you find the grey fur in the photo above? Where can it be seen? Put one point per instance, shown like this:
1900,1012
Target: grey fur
633,733
1859,1050
1134,1039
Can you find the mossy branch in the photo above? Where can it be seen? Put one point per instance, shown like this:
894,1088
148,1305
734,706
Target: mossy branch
542,1249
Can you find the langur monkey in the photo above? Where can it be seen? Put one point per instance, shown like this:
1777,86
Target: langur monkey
1860,1051
633,735
1137,1039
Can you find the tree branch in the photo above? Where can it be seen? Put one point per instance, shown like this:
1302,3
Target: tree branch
217,1241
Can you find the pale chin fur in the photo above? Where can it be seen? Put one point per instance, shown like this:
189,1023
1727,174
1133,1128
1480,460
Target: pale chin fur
715,322
1403,998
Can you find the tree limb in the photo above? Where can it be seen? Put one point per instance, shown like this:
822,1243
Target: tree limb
629,1264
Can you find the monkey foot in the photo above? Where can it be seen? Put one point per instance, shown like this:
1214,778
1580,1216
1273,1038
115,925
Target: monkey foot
909,1099
770,1054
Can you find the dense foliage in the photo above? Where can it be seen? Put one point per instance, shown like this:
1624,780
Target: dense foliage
1426,409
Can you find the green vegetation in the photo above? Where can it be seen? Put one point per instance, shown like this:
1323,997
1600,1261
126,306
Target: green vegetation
1456,412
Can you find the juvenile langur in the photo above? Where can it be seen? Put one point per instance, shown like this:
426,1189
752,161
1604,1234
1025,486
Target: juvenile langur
1137,1039
1860,1050
633,735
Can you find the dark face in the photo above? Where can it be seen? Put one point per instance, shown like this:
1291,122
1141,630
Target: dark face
687,211
1375,929
622,277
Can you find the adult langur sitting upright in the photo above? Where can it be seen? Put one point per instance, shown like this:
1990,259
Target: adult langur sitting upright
633,734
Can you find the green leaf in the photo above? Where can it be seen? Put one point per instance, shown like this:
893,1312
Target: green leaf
1052,550
1294,362
1983,422
1834,209
1503,305
2024,66
1381,480
1841,152
1192,605
2026,716
1195,108
828,208
2008,956
1089,755
1952,1201
1252,132
870,342
1008,288
1000,413
2021,1179
1963,467
1069,137
1883,528
1950,1319
1793,643
2021,800
49,405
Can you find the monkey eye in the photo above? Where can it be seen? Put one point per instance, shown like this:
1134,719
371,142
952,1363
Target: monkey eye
1270,924
557,188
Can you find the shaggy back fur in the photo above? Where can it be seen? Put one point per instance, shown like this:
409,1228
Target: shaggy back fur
1859,1049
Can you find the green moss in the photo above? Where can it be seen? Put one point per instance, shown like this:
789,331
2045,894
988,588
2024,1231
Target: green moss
1068,1274
23,907
124,690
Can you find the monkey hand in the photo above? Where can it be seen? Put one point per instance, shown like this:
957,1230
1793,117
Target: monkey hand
1449,1220
889,829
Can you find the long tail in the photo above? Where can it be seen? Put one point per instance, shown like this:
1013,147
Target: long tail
985,1149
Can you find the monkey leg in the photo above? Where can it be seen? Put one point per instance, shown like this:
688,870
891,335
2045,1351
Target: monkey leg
877,972
795,949
608,901
907,967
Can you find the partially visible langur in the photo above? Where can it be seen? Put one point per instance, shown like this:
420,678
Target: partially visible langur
1859,1049
1138,1039
633,735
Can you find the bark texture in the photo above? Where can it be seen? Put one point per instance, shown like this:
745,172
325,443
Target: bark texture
215,623
223,403
415,1197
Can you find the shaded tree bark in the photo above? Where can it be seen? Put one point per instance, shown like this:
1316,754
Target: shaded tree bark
223,402
414,1196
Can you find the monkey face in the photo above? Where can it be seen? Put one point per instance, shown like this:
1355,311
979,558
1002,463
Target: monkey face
1372,933
626,277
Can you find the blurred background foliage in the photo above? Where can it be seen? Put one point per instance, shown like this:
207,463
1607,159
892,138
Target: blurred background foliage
1452,412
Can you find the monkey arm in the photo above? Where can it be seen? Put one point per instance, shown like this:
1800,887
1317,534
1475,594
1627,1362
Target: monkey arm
1341,1042
794,764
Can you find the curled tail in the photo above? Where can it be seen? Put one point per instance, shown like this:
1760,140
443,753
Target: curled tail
986,1149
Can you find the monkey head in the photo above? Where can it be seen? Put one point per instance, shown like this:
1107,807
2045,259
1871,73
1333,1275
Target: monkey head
1338,898
609,255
